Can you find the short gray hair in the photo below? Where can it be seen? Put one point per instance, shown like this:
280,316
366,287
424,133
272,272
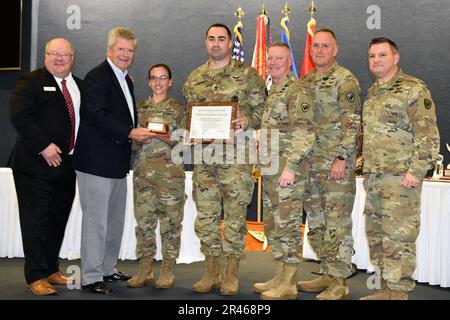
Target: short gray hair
123,33
279,44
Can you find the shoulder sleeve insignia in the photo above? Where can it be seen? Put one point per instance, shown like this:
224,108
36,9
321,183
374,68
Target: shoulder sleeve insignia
428,104
305,107
350,96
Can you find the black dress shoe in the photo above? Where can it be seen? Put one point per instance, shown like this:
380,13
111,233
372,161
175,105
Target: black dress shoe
98,287
118,276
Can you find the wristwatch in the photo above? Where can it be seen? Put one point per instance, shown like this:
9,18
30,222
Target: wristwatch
341,158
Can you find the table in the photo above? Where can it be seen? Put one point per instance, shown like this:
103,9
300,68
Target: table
433,243
11,239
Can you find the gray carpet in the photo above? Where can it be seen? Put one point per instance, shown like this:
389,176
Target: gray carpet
255,267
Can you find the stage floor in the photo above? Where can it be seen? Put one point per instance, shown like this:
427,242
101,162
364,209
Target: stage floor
255,267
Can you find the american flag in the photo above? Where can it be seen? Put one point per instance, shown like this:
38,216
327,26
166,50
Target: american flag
237,51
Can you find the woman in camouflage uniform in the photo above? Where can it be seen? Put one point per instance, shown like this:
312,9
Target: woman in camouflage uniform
158,183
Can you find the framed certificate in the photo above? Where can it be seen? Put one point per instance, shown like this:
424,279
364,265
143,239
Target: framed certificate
211,122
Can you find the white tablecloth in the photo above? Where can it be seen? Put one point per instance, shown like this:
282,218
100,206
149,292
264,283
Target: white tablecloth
433,243
11,239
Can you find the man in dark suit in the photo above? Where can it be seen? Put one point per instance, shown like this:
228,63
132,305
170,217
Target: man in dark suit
102,160
45,108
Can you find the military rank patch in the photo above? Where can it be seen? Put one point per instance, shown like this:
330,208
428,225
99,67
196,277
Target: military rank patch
305,107
428,104
350,96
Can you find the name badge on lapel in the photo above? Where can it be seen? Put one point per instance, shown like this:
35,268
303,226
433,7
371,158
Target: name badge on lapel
49,89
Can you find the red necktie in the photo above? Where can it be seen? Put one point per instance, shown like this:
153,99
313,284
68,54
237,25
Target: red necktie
71,110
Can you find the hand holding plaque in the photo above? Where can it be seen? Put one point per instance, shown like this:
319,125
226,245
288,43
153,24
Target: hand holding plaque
240,122
157,128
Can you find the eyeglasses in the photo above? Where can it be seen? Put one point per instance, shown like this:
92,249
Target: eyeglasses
59,54
161,78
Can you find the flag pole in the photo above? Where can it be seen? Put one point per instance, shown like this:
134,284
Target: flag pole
263,11
239,13
286,10
307,63
259,199
255,171
312,9
237,52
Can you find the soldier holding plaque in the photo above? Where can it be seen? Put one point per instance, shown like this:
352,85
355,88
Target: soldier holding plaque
223,185
158,181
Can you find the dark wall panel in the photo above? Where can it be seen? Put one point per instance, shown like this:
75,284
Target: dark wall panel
172,32
7,82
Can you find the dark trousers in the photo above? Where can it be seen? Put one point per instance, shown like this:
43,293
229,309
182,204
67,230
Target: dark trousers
44,208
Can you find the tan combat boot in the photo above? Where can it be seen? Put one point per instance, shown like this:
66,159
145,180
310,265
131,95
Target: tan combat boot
230,284
398,295
338,290
144,275
211,277
387,294
166,277
380,294
264,286
316,285
286,288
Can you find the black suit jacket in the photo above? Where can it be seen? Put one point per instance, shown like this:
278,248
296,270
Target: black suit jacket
103,147
40,118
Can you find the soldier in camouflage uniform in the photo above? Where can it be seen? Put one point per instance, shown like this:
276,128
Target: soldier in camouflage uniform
287,118
220,186
401,143
158,183
330,192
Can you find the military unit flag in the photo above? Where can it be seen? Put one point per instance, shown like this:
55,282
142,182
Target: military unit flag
286,37
259,61
307,63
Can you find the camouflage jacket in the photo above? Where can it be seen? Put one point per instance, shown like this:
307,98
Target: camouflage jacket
337,117
235,79
168,111
290,110
400,131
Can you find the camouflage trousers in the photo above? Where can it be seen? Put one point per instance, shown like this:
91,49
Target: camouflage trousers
159,195
329,204
283,208
222,186
392,227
